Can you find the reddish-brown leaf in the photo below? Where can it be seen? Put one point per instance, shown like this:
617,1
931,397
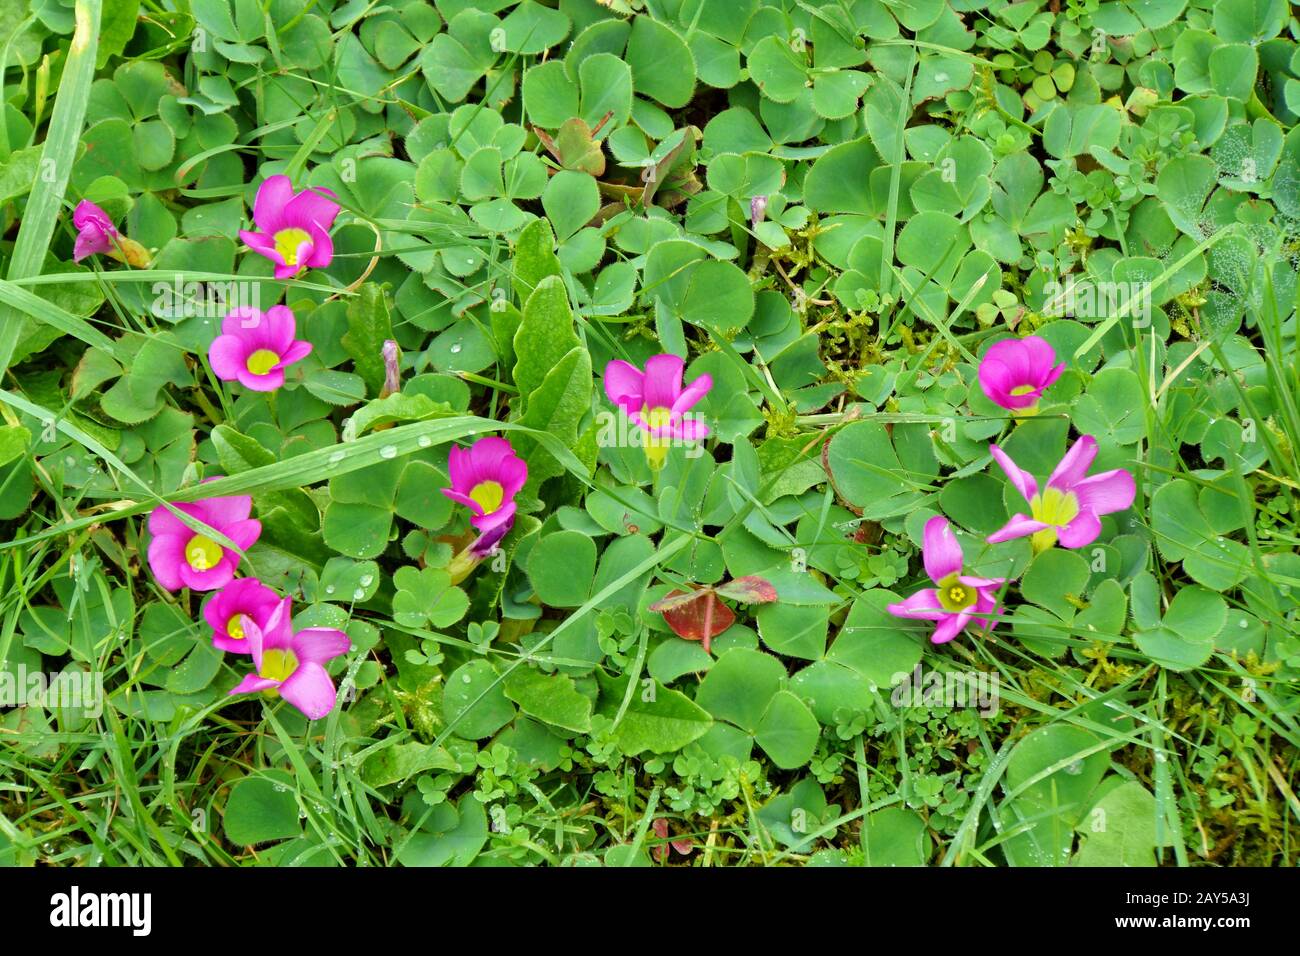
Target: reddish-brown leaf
750,589
702,618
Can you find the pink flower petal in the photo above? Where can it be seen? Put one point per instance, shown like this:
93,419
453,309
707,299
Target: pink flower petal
663,380
321,251
252,684
1019,526
296,352
1106,492
273,196
490,522
310,689
625,385
1022,480
228,357
210,579
1071,469
940,550
692,394
166,556
261,383
463,499
261,243
320,644
311,207
923,605
1081,531
692,429
949,627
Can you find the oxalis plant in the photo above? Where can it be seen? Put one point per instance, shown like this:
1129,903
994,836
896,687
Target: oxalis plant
659,433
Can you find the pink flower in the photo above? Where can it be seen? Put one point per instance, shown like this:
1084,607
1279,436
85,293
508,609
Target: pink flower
95,231
485,479
292,665
654,399
958,598
245,597
294,227
1014,373
254,348
181,557
1070,507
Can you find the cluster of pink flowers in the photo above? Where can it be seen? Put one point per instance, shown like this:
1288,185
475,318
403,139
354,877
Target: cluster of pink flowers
246,616
1067,511
254,347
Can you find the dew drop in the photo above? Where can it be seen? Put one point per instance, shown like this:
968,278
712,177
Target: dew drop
1243,624
455,349
337,457
329,589
388,451
424,441
367,580
465,678
358,594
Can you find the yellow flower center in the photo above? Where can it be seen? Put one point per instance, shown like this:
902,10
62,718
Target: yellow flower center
955,596
202,553
488,495
234,628
287,242
660,417
1053,507
278,664
262,361
1022,390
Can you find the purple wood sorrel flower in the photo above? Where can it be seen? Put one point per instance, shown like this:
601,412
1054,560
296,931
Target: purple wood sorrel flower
181,557
957,599
1070,507
655,401
292,665
245,597
1014,373
254,348
293,227
96,233
485,479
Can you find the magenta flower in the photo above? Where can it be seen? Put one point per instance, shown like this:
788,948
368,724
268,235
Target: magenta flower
245,597
181,557
485,479
292,665
1014,373
254,348
957,599
294,227
95,231
1070,507
654,399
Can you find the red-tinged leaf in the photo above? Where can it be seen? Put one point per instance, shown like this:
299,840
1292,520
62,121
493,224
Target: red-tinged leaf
702,618
660,828
750,589
677,599
683,846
